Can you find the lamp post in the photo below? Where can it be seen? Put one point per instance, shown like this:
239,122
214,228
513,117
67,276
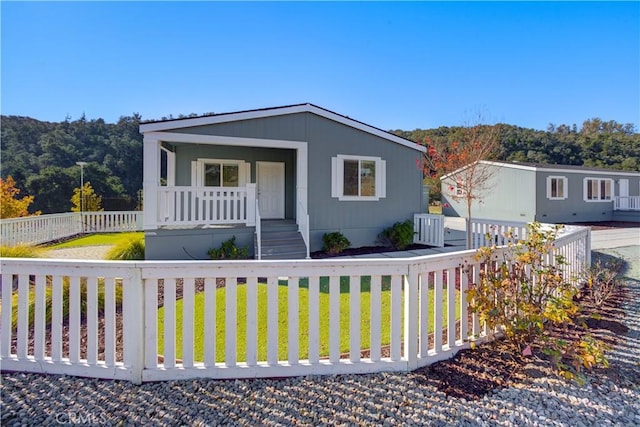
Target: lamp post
82,165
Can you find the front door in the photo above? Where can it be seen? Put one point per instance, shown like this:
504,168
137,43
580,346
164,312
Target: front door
270,185
623,192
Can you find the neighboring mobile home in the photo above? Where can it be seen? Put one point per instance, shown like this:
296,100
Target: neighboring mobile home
552,194
301,169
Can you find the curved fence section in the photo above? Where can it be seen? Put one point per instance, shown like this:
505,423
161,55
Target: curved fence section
34,230
162,320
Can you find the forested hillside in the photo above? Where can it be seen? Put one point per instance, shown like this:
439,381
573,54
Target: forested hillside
596,143
42,156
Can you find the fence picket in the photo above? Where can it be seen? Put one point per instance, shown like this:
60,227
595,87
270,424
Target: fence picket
293,320
39,317
314,319
376,318
252,321
209,322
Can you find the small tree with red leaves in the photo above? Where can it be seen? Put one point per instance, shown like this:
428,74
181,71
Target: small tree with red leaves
458,164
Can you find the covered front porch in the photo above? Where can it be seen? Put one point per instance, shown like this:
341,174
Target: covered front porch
219,183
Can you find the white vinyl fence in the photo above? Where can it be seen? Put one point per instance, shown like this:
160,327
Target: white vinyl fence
165,324
496,230
34,230
428,229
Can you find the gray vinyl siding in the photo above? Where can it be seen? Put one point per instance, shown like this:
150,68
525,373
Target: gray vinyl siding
519,194
510,196
288,127
574,208
186,153
194,243
359,221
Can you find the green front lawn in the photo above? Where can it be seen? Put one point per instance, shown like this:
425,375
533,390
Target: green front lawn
93,240
303,313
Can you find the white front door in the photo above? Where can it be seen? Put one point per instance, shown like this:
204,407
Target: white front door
270,186
623,192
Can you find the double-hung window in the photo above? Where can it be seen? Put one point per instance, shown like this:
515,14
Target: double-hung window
358,177
598,189
557,187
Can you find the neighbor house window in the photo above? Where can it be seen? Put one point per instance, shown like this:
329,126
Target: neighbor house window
598,189
557,187
358,178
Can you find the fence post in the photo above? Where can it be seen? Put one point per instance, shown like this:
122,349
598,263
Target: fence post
133,323
251,205
411,317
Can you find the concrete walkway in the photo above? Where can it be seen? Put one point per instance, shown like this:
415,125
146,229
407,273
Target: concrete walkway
615,238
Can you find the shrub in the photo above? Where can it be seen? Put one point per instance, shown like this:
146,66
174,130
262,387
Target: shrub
523,294
21,251
335,242
129,248
600,280
229,250
399,235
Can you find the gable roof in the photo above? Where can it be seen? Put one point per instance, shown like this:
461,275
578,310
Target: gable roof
542,167
171,124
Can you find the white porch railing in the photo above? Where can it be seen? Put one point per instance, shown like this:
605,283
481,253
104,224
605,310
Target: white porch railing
428,319
630,203
428,229
496,230
206,205
34,230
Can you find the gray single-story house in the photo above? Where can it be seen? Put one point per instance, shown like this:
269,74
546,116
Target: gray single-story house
292,173
549,193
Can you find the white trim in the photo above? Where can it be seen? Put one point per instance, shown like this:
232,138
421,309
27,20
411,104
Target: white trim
337,178
565,188
257,114
560,170
543,169
225,140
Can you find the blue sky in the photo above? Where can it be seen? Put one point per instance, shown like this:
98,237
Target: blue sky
392,65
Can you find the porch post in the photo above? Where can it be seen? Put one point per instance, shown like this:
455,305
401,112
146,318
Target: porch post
150,180
251,205
301,181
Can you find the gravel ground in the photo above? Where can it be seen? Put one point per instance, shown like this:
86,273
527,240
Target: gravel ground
380,399
83,252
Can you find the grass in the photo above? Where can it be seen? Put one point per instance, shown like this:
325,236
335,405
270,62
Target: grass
65,300
21,251
129,247
95,240
303,314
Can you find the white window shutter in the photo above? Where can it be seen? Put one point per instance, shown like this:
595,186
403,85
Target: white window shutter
335,178
194,173
565,188
548,187
382,179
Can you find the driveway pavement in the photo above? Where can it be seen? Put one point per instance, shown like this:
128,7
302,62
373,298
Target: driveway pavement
615,238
